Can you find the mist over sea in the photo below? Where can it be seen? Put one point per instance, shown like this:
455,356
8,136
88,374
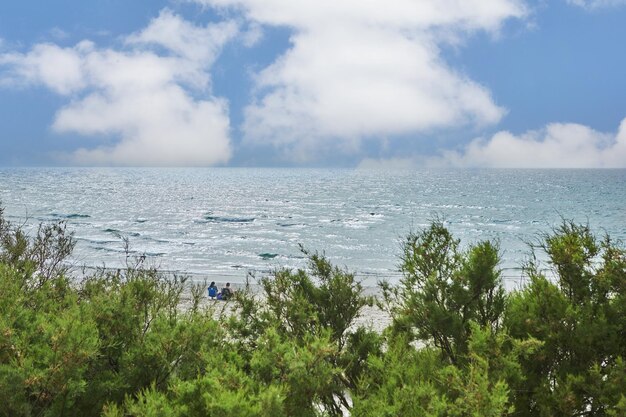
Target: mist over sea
221,223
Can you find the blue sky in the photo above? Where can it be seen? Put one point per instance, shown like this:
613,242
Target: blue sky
400,83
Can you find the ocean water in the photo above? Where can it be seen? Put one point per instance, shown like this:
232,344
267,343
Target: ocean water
223,223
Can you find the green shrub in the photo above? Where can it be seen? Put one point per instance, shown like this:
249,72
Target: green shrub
119,343
580,317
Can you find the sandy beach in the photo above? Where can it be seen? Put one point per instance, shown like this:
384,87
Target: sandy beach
371,317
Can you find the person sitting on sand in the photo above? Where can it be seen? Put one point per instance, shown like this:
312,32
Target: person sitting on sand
226,292
212,290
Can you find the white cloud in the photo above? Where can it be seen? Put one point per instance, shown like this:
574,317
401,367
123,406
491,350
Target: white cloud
596,4
405,14
139,94
198,45
361,69
59,69
558,145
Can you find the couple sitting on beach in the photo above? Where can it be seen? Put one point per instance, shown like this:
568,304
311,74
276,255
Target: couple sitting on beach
225,294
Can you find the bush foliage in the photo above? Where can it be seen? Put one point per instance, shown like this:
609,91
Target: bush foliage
119,343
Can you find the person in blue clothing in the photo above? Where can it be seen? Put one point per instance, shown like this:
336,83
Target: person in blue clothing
212,290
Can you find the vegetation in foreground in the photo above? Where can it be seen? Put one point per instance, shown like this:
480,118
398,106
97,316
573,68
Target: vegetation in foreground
118,344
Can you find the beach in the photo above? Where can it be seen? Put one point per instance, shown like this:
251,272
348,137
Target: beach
370,317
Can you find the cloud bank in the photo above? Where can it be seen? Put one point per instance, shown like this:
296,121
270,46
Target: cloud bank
358,69
141,99
558,145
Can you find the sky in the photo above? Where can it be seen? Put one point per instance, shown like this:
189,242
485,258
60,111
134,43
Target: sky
323,83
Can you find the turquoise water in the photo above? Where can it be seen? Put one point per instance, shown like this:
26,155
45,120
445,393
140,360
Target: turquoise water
222,223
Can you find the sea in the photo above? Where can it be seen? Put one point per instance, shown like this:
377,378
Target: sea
230,224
